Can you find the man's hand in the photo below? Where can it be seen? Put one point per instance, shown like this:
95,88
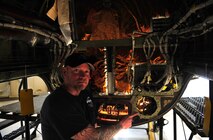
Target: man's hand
127,122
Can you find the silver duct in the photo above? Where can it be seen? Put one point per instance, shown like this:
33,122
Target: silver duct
64,9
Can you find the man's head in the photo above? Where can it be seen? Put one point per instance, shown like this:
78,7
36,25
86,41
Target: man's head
76,72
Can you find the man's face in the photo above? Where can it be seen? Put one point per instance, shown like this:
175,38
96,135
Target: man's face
77,77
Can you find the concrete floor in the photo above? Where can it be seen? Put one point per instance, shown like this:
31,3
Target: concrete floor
127,134
134,133
183,132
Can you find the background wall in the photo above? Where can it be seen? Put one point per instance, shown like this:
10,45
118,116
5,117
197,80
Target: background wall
10,89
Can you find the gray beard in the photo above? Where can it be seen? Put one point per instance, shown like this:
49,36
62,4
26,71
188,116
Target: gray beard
79,88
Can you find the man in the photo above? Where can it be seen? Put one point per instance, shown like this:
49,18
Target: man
63,114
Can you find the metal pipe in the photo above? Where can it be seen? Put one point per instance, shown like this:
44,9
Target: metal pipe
110,72
211,99
27,127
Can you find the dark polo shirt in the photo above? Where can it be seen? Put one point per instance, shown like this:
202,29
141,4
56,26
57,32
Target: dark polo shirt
64,115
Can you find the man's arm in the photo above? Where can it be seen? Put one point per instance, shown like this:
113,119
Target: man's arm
101,133
104,133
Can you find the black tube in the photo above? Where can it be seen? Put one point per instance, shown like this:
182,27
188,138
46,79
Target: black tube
174,125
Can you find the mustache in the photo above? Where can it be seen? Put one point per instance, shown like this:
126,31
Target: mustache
82,80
